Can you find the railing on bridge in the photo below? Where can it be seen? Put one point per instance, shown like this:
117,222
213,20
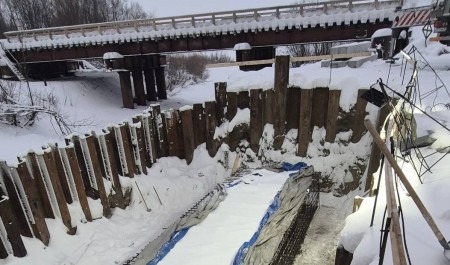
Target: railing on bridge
196,20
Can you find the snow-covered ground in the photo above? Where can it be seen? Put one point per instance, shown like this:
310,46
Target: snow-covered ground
95,100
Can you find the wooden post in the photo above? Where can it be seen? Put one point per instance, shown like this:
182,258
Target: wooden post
61,173
19,215
127,92
171,132
188,134
243,100
10,222
221,101
39,226
79,151
124,134
78,181
210,113
332,115
162,135
150,84
304,129
319,107
375,154
55,185
139,90
96,170
268,105
256,126
199,121
409,188
398,250
152,138
281,83
3,252
292,105
232,105
111,146
156,117
360,115
176,117
37,175
161,82
141,143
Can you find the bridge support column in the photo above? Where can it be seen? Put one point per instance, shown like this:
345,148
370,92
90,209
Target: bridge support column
161,82
126,89
139,90
150,84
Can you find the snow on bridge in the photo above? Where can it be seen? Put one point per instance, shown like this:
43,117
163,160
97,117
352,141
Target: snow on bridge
250,20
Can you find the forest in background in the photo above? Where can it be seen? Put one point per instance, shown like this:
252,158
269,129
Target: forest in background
31,14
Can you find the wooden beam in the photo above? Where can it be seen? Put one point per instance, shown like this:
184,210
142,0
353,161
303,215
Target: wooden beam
280,86
409,188
332,115
292,59
188,134
304,128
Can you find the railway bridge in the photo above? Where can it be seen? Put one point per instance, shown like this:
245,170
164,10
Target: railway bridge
137,48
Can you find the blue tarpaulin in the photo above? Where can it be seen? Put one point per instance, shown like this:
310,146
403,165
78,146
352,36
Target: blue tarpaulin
167,247
242,252
291,167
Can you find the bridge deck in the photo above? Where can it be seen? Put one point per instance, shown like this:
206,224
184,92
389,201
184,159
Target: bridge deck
222,23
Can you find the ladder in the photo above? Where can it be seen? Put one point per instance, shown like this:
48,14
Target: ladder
13,67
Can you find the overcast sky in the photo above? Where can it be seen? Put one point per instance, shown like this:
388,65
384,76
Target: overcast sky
163,8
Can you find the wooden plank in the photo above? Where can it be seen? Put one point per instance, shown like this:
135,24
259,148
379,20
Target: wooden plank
78,181
375,154
199,121
292,104
232,106
280,85
126,89
15,201
111,146
144,142
171,132
188,134
210,113
152,138
83,167
138,136
293,59
398,251
55,185
96,170
39,225
304,128
155,112
319,107
243,100
12,227
61,173
176,116
3,253
139,90
221,101
162,135
360,114
150,84
268,96
332,115
127,149
256,126
409,188
37,175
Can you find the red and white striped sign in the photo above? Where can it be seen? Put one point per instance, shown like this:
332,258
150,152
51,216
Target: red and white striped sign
412,18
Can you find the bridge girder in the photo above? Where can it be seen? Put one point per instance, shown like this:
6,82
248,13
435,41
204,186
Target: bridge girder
205,42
